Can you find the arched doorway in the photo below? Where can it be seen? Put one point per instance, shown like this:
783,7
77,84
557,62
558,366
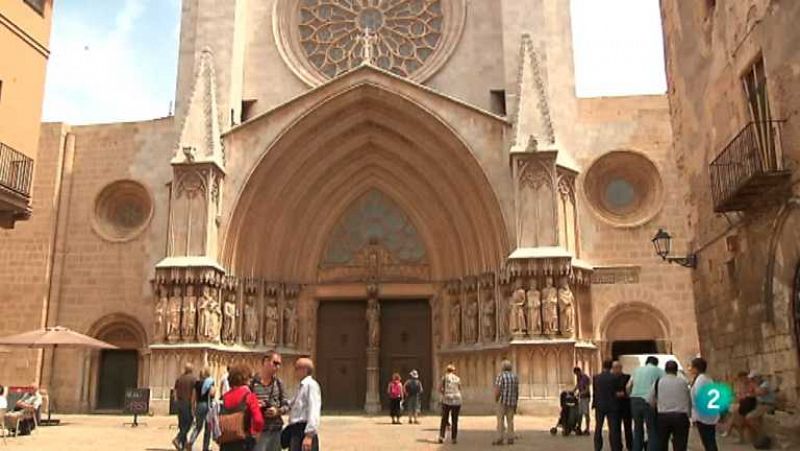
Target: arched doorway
117,369
635,328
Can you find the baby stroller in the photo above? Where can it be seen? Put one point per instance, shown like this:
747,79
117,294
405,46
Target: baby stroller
570,417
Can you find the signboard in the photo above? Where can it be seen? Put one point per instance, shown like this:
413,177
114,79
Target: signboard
137,401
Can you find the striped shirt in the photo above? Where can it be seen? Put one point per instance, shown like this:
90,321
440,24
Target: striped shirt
507,384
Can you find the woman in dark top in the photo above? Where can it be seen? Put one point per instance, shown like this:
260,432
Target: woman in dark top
204,393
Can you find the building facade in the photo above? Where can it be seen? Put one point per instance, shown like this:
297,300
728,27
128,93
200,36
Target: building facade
733,73
382,185
24,39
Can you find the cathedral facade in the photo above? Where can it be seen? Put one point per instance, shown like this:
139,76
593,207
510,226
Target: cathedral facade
384,185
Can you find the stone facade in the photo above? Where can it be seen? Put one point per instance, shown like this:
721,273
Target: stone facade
746,284
471,184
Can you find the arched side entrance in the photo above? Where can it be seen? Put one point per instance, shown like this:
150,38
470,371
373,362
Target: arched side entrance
114,370
634,328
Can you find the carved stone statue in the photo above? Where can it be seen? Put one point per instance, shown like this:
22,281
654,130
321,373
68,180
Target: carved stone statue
162,304
214,317
174,315
455,322
368,41
550,307
271,320
566,301
488,317
471,327
250,321
229,315
290,317
189,320
517,320
534,310
373,323
204,314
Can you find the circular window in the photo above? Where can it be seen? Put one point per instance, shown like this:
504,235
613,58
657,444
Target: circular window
624,188
122,210
322,39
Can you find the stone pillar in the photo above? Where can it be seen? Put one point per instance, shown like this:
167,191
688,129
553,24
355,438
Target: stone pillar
372,403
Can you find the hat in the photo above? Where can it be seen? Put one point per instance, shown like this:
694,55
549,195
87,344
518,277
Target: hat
414,374
753,375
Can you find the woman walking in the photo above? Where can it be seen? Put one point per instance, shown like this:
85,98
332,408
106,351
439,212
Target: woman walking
412,390
240,400
204,394
395,392
450,389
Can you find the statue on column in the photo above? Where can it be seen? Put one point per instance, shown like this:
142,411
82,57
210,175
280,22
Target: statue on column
271,320
488,316
216,319
471,328
373,323
229,315
534,310
550,307
250,321
566,301
204,315
455,322
162,306
189,323
368,42
174,315
517,320
290,317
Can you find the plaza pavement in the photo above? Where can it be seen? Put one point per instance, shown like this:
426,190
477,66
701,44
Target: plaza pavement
339,433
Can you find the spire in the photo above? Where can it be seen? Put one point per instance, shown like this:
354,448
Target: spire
199,137
532,125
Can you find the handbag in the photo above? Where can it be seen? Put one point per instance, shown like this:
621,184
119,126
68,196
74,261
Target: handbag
233,423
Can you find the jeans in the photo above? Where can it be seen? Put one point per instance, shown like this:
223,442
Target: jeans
201,413
269,441
452,413
675,426
184,420
708,435
644,417
297,443
613,430
505,416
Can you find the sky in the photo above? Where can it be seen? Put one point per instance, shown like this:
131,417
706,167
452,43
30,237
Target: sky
116,60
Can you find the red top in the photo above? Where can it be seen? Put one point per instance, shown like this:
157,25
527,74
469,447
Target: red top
234,397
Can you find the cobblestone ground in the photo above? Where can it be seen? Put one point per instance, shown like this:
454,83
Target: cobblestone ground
339,433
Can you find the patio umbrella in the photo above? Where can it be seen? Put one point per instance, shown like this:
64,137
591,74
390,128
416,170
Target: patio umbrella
56,336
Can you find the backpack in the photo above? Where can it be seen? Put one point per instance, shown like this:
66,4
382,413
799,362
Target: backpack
234,423
395,390
413,387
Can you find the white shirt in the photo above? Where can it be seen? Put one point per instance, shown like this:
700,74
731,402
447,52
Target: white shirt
306,405
3,402
673,395
699,381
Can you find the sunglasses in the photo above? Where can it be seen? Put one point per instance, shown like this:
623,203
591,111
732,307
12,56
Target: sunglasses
276,363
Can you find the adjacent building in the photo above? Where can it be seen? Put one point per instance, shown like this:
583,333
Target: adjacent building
734,69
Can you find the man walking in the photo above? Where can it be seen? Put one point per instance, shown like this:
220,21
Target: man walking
644,414
671,397
271,396
305,408
606,406
706,423
582,390
624,402
183,395
506,394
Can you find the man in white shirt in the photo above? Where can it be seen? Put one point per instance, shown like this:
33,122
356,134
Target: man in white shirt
706,423
670,395
305,408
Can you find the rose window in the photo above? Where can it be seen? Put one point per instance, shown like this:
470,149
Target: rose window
402,34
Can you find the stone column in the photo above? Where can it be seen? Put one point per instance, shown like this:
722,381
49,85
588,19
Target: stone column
372,403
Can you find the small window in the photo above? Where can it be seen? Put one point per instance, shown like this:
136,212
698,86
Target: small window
247,109
498,101
37,5
754,82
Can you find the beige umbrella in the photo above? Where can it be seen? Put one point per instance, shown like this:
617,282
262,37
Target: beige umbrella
56,336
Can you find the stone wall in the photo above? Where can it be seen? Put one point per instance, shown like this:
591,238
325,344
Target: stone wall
744,281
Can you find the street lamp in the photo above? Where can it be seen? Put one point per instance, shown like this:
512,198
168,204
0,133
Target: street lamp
662,243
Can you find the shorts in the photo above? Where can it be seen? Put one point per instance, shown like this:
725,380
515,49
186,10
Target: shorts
760,411
584,406
747,405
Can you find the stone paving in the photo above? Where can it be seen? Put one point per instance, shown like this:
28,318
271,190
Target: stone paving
339,433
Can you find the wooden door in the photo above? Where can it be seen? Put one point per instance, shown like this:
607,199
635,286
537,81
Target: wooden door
405,344
119,370
341,354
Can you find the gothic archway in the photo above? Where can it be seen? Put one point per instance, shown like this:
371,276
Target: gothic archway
634,328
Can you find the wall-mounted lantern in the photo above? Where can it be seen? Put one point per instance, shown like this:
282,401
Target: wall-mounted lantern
663,245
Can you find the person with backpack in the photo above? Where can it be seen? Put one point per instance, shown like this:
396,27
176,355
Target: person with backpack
240,419
412,390
268,388
395,392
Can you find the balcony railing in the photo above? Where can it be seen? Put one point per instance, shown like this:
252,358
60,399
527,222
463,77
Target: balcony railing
16,171
749,167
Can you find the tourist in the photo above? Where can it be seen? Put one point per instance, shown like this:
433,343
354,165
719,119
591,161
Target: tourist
670,395
583,392
29,406
238,396
506,394
395,392
272,401
606,407
412,390
644,414
183,396
624,400
204,393
450,389
765,403
706,424
745,403
305,409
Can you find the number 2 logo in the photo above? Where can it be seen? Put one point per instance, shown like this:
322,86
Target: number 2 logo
714,399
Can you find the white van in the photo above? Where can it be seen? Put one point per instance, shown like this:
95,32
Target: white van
632,361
